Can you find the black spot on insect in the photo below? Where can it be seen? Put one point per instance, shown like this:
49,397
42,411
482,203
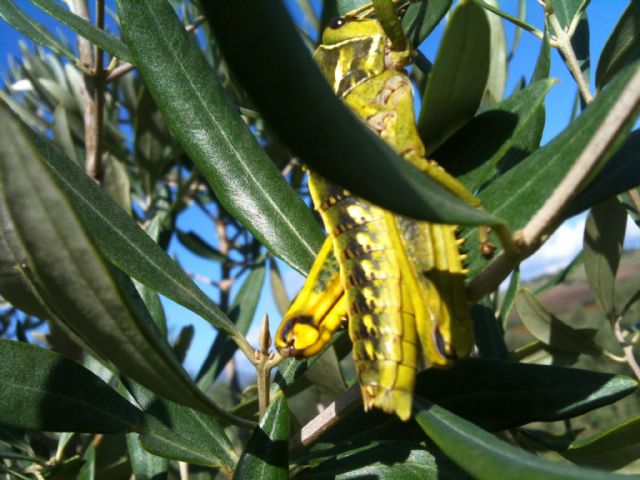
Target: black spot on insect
337,22
441,345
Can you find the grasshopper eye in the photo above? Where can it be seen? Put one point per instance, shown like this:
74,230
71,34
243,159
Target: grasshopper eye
337,22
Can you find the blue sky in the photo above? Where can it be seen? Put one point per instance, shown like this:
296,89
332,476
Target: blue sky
603,15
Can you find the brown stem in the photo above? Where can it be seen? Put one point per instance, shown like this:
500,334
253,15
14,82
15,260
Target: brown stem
635,198
263,372
346,403
92,89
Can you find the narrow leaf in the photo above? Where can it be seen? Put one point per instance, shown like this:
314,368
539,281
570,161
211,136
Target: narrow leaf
86,29
422,17
211,131
266,454
277,288
488,333
335,143
145,466
616,448
618,175
19,20
458,77
603,239
43,391
497,395
199,246
474,152
509,298
15,286
119,238
95,301
566,10
484,456
497,78
552,331
621,47
181,433
383,460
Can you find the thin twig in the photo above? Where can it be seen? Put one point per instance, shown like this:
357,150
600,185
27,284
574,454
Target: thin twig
346,403
263,372
549,216
88,91
626,348
563,43
634,196
125,68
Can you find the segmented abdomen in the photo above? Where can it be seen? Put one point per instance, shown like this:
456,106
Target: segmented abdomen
381,321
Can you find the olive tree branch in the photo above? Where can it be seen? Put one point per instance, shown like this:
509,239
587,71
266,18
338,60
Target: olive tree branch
563,44
549,216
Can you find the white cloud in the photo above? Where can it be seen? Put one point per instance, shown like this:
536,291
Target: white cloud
565,244
558,251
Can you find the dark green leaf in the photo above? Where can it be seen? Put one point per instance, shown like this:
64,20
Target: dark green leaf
496,395
474,152
42,390
95,301
346,6
145,465
15,286
152,140
88,469
333,143
603,239
520,192
552,331
497,78
181,433
115,181
95,35
459,75
241,312
199,246
620,174
566,10
616,448
211,131
488,333
384,460
19,20
509,298
621,47
522,15
422,17
120,239
62,133
266,455
484,456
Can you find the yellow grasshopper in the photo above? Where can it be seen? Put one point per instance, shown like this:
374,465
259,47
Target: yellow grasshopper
399,282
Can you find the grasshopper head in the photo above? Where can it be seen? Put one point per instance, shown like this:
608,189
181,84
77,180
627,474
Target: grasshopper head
345,28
